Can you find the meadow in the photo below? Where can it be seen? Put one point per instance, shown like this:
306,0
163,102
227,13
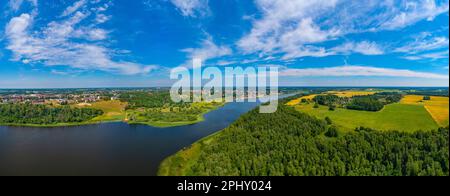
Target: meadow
401,117
113,110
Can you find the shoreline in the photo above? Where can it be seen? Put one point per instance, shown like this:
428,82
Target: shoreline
162,124
158,124
178,164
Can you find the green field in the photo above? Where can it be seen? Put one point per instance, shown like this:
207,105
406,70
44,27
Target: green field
113,111
401,117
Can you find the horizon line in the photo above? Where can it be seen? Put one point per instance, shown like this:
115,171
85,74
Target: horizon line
112,87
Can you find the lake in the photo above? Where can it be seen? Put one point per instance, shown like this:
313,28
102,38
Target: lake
104,149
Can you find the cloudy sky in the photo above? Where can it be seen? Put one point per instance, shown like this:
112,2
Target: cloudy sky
123,43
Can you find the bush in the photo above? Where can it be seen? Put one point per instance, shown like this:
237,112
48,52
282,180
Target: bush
332,108
332,132
328,120
316,105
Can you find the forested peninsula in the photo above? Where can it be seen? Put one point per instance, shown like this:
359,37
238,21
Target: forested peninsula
292,143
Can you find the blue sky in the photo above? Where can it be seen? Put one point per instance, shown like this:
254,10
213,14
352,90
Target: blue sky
122,43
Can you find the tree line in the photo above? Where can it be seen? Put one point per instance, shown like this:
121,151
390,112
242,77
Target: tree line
44,115
154,99
373,103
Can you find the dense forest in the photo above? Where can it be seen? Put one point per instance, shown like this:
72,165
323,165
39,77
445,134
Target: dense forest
365,104
330,100
375,102
290,143
44,115
154,99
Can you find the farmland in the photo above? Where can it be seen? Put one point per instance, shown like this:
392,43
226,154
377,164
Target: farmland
347,94
412,113
401,117
351,93
112,110
438,107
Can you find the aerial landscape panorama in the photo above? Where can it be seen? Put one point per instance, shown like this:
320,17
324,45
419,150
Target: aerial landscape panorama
231,88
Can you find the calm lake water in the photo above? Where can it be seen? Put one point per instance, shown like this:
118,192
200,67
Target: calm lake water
104,149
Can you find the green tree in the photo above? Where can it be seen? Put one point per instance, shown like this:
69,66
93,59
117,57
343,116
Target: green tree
332,132
328,120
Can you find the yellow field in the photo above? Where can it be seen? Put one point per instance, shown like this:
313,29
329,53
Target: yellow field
338,93
412,99
350,93
309,97
297,101
438,107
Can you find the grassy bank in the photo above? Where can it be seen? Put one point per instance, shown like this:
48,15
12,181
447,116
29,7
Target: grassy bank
180,163
115,111
50,125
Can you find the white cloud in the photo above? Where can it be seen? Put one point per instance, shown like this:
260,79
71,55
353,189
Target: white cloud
305,51
225,63
432,56
92,34
307,32
71,9
296,27
420,45
359,71
66,43
102,18
286,25
16,4
56,72
364,47
414,11
208,50
192,8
